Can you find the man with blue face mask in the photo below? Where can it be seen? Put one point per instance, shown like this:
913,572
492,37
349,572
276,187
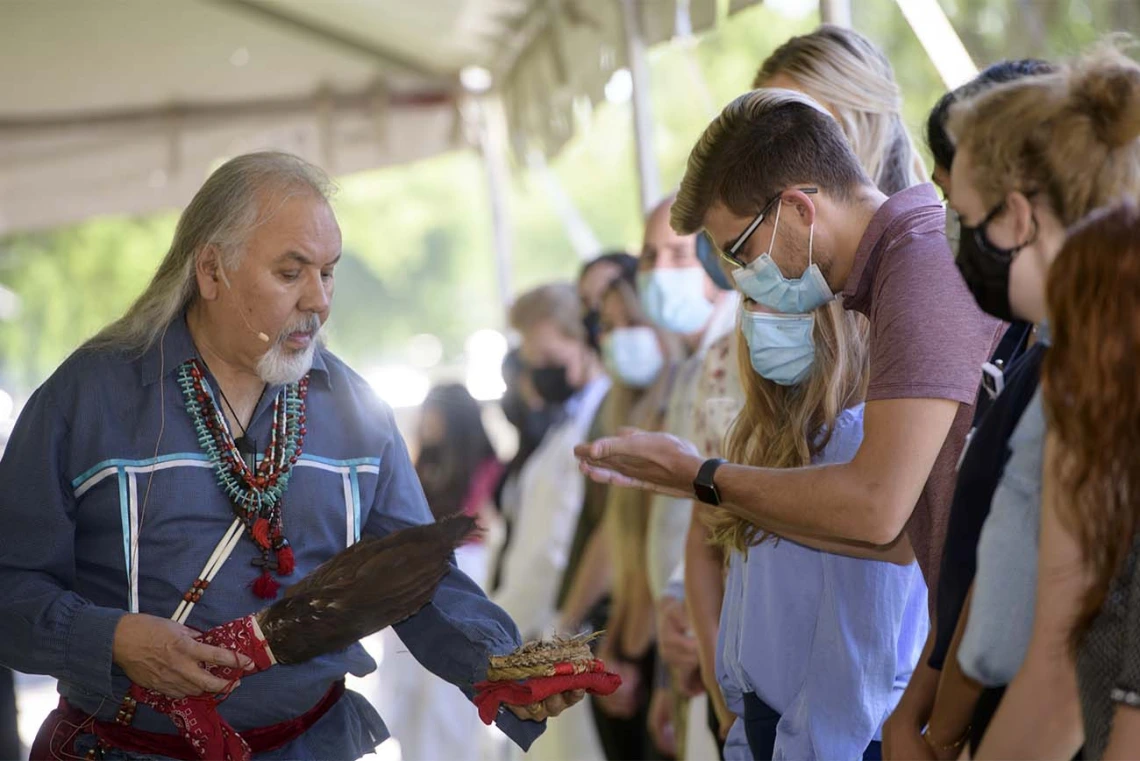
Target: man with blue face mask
675,291
776,154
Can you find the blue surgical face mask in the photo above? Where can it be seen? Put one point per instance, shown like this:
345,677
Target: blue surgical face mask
762,281
675,298
633,355
710,260
779,345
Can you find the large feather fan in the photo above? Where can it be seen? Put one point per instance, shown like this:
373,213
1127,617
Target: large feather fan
359,591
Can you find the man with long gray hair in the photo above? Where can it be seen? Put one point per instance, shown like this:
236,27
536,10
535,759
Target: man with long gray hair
209,423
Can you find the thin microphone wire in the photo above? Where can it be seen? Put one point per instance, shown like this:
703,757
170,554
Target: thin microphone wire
157,444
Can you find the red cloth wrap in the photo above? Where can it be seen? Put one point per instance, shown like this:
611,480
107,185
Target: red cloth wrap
197,718
489,696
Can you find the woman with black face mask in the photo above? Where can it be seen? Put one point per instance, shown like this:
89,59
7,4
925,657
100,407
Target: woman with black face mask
1033,156
531,418
594,278
564,370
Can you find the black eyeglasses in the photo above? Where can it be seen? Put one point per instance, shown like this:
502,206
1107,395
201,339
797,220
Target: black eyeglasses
731,255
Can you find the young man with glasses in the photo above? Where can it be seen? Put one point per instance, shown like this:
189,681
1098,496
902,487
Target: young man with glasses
776,186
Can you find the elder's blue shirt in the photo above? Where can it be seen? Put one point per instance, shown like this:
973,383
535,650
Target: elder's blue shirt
109,505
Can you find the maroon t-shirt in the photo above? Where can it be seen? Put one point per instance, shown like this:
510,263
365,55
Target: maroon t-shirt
928,339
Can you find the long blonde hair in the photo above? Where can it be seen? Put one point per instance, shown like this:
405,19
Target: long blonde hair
787,426
851,76
626,520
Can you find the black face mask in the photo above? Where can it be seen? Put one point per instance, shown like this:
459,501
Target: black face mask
551,384
985,267
593,323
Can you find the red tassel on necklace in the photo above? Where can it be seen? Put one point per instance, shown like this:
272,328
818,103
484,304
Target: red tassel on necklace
285,561
266,587
260,532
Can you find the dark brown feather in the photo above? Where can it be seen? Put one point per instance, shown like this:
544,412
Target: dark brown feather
371,585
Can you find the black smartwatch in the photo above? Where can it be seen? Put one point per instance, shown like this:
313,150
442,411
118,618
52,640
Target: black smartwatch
703,485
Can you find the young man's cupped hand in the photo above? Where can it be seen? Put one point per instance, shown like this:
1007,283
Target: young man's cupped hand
658,462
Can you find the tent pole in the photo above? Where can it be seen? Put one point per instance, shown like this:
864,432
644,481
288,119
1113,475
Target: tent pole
940,41
578,230
649,182
836,12
492,141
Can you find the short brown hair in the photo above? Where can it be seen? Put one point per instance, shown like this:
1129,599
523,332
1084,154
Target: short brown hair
553,302
1073,135
764,142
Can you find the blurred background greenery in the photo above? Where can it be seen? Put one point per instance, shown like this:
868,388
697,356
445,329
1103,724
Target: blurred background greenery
417,238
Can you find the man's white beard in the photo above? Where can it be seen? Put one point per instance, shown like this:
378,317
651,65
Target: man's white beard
279,365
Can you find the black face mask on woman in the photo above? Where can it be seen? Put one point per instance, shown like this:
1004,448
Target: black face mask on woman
551,384
985,267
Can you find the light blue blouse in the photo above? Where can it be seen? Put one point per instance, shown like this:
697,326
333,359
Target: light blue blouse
827,641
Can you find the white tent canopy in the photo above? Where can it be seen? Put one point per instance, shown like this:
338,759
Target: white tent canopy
113,106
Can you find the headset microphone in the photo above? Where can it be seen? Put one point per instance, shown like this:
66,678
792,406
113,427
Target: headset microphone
261,336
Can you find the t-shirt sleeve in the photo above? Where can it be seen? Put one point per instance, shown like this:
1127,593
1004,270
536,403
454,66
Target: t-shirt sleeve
1001,610
928,337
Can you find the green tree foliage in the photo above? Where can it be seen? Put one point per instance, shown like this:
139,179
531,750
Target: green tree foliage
418,254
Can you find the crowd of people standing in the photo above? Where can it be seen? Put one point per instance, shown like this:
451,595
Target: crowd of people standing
879,501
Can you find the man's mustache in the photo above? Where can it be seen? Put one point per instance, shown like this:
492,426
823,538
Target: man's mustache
310,325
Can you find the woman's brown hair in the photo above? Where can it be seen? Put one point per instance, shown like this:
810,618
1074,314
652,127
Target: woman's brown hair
1091,387
1070,135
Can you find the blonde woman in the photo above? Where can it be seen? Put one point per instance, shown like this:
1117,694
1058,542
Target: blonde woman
640,359
814,648
852,78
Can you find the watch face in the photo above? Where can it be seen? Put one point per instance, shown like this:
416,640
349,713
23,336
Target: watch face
707,493
703,485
